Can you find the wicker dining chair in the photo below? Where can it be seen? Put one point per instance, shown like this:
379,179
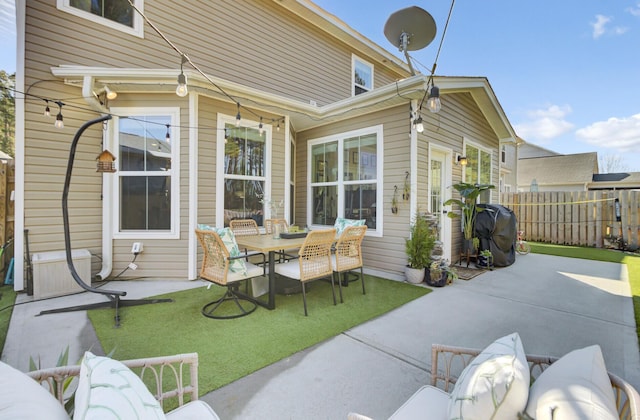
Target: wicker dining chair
313,263
245,227
216,268
269,227
348,254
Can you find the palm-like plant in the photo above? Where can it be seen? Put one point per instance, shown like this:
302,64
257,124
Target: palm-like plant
469,194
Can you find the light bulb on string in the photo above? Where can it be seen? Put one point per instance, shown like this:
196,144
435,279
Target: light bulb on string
433,102
168,136
238,117
59,119
47,110
182,90
260,128
419,124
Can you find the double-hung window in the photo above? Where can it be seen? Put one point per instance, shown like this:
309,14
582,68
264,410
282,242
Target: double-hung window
116,14
148,144
362,76
243,183
479,168
345,178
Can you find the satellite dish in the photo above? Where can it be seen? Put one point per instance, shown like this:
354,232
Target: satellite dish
410,29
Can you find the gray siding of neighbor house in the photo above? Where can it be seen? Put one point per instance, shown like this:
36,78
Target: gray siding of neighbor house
256,43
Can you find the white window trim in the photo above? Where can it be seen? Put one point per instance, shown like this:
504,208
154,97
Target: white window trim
220,175
138,24
340,137
467,142
354,59
174,232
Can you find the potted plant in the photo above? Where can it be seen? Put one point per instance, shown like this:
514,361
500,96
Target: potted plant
467,202
485,259
441,273
418,248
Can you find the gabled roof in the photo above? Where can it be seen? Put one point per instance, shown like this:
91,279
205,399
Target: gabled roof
561,169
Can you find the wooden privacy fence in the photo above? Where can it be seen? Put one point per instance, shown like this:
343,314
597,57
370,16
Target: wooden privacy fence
584,218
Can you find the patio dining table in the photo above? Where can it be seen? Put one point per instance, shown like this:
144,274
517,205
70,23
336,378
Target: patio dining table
268,244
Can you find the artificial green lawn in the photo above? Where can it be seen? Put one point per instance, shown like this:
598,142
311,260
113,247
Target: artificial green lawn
230,349
7,298
632,262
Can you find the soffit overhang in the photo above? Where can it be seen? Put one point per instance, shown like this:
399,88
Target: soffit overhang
302,115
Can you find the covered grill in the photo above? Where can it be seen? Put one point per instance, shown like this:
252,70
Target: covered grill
496,228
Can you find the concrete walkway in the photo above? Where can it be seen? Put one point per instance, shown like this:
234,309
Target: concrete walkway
555,304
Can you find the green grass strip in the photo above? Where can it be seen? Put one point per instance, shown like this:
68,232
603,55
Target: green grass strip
7,299
231,349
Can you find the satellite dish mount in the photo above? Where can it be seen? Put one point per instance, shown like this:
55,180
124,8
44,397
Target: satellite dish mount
410,29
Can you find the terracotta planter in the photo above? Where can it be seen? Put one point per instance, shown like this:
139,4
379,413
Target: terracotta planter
414,275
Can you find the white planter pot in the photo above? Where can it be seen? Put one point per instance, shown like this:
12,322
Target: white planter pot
414,275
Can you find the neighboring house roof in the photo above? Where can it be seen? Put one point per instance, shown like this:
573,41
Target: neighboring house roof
559,169
620,180
528,150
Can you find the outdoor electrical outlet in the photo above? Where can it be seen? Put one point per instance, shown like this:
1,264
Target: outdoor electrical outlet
136,248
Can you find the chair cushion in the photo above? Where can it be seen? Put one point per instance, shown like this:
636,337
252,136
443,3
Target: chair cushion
23,398
229,240
107,389
427,402
341,224
577,386
494,385
194,410
289,269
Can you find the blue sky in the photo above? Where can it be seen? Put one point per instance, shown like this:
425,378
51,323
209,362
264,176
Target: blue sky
565,72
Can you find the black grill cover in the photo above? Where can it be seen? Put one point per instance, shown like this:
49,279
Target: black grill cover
497,231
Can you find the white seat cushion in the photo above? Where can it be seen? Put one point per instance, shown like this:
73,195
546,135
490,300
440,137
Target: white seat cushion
289,269
22,398
107,389
252,271
194,410
495,384
345,261
427,403
577,386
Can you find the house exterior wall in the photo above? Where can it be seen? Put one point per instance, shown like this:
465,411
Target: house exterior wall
258,44
271,50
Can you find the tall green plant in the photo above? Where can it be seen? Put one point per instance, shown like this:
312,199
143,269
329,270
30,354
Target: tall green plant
469,194
420,244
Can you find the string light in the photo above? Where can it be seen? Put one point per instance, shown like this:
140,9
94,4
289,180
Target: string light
238,117
47,110
278,127
419,125
260,129
182,90
59,119
168,136
433,102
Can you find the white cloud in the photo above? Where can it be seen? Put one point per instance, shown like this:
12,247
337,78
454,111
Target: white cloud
542,125
7,18
635,11
599,26
622,134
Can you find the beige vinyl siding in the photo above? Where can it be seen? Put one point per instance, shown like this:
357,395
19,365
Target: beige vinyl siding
460,117
161,258
381,253
255,43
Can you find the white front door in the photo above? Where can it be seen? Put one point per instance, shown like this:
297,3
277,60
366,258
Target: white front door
439,192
